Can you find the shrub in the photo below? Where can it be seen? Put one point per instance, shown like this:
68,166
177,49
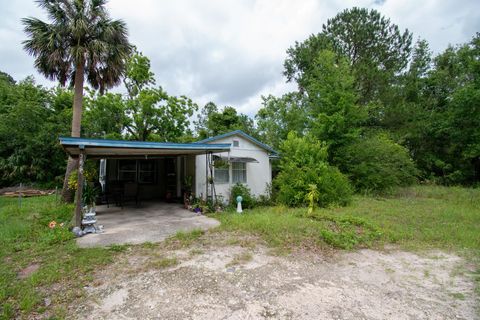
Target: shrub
377,164
303,164
242,190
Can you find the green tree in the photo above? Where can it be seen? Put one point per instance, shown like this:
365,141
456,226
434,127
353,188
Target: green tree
376,48
211,121
31,119
279,116
377,164
104,116
80,41
150,113
333,114
303,164
445,139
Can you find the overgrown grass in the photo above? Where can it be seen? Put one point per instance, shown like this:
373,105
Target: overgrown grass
59,269
288,228
424,217
420,217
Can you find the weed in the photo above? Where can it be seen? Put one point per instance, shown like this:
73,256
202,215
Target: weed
163,263
240,258
184,239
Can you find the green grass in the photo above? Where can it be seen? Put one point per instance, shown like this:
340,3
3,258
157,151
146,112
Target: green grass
289,228
26,240
420,217
183,239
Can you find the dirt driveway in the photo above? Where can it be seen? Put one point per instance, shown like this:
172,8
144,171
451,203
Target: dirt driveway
234,282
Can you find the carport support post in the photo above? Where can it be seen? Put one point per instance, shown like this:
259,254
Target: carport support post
206,175
78,195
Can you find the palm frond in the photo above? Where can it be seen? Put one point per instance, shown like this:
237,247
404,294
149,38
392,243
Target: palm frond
79,31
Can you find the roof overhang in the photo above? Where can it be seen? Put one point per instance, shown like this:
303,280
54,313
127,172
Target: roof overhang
101,148
237,159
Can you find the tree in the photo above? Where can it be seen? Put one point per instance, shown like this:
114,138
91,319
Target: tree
104,116
80,41
334,116
31,119
445,139
150,113
279,116
376,48
303,164
211,121
377,164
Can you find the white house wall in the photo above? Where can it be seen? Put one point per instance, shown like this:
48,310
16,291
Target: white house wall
258,174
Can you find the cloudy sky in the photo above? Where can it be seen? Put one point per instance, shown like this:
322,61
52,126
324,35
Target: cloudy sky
232,51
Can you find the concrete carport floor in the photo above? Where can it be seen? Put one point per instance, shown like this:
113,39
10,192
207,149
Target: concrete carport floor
149,222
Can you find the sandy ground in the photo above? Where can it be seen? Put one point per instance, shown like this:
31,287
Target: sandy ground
233,282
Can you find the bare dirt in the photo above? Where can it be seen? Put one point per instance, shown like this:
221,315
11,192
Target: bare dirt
234,282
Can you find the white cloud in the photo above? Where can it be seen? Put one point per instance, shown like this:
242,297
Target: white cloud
232,52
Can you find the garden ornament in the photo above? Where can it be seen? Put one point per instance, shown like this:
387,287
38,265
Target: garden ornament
239,204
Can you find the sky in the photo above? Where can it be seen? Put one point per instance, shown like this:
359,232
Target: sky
231,52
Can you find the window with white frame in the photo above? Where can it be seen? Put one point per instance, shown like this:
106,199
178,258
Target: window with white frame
239,172
221,172
236,143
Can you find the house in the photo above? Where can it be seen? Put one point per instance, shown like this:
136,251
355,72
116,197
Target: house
248,161
164,171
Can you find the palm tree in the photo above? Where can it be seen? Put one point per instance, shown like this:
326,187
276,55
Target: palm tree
80,43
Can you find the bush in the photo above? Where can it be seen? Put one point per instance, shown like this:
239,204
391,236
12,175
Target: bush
242,190
303,164
377,164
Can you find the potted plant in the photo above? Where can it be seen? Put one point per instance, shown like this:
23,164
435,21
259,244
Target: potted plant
187,191
89,196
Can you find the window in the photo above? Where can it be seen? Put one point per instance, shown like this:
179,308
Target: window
239,172
146,171
127,170
221,172
236,143
141,171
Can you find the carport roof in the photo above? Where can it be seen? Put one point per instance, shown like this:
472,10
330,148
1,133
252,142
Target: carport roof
103,148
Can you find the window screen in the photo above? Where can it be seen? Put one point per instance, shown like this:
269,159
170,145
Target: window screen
239,172
127,170
146,171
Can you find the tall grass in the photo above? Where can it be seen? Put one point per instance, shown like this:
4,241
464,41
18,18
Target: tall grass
417,217
27,241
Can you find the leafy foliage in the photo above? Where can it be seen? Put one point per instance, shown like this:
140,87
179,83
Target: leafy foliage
375,47
279,116
31,119
212,122
248,200
304,163
148,113
378,164
81,37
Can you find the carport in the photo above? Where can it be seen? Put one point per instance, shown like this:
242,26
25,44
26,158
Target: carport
83,148
151,222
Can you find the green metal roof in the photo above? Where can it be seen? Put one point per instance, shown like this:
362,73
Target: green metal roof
105,147
242,134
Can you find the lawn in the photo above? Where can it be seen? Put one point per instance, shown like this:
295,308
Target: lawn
420,217
42,270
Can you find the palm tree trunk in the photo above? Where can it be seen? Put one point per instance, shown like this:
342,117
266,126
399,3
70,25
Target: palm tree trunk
67,194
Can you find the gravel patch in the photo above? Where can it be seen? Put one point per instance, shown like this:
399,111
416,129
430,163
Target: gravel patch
364,284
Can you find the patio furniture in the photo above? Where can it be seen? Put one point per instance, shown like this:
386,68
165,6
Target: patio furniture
130,193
